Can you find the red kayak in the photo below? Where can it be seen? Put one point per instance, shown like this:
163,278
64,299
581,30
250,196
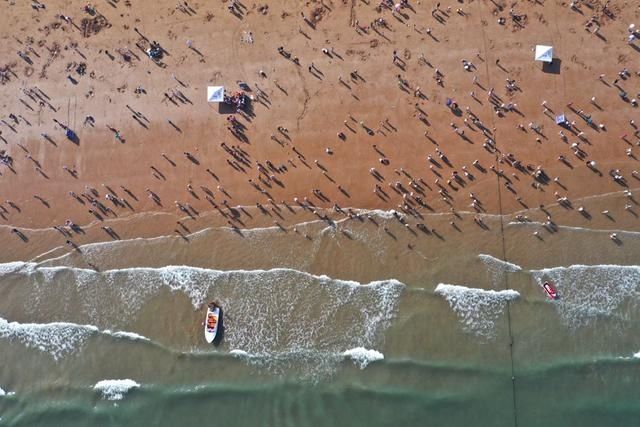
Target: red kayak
550,290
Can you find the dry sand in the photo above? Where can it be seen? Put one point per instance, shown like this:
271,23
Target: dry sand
313,109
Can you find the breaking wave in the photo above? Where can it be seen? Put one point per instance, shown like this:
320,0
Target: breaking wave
589,292
477,309
323,361
362,356
283,317
497,268
115,389
57,339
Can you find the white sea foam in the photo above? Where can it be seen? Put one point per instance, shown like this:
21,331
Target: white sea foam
362,356
12,267
127,335
6,393
574,228
477,309
323,362
497,268
384,214
239,353
282,314
58,339
588,292
507,266
286,319
193,281
636,355
115,389
93,252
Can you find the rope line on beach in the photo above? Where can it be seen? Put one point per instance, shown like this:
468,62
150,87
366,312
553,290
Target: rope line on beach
504,249
506,286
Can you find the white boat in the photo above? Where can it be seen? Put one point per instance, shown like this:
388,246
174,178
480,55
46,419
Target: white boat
211,322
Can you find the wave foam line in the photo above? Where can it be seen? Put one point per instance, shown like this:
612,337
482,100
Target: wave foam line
135,216
505,265
126,335
58,339
575,228
575,201
115,389
477,309
362,356
177,275
458,290
252,298
588,292
14,267
497,268
88,247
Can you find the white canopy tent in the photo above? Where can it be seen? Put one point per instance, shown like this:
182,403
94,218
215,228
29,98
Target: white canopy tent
544,53
215,93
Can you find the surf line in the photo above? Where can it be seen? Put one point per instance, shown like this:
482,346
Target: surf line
504,249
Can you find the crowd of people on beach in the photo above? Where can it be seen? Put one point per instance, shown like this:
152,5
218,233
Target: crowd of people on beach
407,194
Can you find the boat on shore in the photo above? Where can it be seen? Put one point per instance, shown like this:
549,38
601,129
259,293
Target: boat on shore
211,322
550,290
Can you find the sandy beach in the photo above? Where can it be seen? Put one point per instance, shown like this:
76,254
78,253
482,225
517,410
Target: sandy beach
376,219
314,106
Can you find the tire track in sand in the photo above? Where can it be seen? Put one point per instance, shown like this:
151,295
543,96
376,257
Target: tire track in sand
352,14
307,97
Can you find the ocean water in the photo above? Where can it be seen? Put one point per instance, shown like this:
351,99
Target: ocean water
352,327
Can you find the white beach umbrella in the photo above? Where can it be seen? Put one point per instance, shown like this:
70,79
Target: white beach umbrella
215,93
544,53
